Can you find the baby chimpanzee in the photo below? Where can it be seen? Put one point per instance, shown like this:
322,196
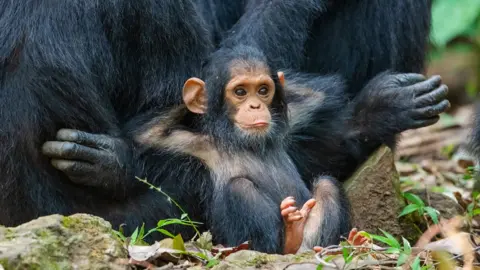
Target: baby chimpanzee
250,129
236,125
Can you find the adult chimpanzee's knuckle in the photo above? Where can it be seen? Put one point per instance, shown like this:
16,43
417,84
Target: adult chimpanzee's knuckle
63,165
68,148
66,134
444,90
69,166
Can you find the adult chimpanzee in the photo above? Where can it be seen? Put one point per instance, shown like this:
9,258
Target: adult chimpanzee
242,135
356,39
88,65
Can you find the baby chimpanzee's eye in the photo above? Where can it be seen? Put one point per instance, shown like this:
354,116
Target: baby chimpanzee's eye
240,92
263,91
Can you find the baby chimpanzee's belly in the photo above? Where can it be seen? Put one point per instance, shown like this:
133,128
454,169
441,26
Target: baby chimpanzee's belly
275,178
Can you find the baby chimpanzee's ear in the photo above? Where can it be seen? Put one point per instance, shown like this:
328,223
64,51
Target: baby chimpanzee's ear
194,95
281,78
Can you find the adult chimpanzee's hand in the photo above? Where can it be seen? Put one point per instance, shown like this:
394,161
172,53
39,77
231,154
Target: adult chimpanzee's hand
90,159
403,101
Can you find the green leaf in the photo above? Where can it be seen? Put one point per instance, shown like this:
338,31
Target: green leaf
413,199
432,213
407,248
150,231
133,238
119,235
365,234
201,255
402,258
379,238
392,239
165,232
392,250
409,209
320,267
416,264
345,253
142,231
476,212
120,229
470,207
213,262
178,243
184,216
451,18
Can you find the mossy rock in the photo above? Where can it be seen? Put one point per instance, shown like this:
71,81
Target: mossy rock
376,199
79,241
248,259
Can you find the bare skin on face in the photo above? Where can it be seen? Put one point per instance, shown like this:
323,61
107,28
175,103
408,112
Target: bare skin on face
249,94
294,220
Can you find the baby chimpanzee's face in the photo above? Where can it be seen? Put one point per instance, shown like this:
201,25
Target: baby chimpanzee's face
249,94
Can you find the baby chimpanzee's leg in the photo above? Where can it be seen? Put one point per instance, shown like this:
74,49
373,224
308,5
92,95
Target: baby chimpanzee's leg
294,220
329,219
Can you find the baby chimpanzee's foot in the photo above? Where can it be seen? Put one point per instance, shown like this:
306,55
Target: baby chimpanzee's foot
354,239
294,220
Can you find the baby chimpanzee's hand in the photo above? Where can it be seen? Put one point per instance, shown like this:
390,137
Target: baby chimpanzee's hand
89,159
294,220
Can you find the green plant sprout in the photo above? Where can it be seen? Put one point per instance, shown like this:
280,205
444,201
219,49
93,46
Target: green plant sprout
138,235
417,205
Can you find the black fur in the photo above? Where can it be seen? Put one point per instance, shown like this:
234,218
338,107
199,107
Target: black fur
90,66
355,39
254,173
108,67
240,194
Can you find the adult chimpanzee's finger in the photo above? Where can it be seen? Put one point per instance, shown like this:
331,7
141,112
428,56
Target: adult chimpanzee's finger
432,97
409,78
70,150
73,168
425,86
429,111
81,137
424,123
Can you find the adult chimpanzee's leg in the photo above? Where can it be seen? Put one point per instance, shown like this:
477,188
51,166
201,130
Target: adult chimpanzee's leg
60,69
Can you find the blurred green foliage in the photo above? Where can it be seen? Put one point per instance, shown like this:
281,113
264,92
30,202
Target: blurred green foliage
456,27
455,18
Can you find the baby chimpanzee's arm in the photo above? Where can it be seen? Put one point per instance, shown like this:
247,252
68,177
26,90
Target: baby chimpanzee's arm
331,135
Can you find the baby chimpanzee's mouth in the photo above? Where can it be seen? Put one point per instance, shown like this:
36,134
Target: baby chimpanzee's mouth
257,125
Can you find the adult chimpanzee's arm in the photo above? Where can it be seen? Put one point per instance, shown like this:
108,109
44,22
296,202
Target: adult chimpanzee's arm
279,28
170,45
55,67
331,135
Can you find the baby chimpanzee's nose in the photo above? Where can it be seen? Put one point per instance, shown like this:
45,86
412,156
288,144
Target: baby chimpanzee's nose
254,106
